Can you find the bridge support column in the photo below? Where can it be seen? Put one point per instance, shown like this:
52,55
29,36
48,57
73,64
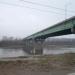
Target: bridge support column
37,46
34,46
28,46
73,30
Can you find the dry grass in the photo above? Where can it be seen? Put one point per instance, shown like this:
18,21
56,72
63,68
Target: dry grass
44,63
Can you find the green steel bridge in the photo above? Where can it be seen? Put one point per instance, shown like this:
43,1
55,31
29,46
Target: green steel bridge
63,28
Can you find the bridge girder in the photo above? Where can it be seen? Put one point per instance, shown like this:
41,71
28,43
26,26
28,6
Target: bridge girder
63,28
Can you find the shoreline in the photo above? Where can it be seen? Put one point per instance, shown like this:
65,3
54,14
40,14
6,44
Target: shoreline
45,64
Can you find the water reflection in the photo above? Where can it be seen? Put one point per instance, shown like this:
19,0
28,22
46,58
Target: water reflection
12,52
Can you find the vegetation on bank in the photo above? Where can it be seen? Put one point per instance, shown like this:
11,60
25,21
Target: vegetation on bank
11,43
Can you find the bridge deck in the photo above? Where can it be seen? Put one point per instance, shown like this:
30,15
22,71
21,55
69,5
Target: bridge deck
65,27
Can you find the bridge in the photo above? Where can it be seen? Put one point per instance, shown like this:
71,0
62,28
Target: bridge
35,41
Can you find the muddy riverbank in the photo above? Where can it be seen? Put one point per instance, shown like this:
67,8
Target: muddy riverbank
39,65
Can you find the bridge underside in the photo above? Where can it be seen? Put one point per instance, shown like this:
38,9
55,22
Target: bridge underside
59,33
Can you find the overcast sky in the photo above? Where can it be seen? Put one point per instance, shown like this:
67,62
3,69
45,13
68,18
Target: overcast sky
19,18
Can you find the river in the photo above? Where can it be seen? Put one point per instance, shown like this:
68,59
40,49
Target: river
12,52
20,52
59,50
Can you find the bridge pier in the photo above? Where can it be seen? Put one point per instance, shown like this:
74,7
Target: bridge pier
34,46
73,30
37,46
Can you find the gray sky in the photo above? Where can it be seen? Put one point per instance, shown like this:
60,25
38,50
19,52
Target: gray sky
20,19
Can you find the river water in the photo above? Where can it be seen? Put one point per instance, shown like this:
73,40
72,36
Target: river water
59,50
12,52
20,52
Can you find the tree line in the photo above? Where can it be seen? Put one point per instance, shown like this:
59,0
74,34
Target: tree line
11,42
